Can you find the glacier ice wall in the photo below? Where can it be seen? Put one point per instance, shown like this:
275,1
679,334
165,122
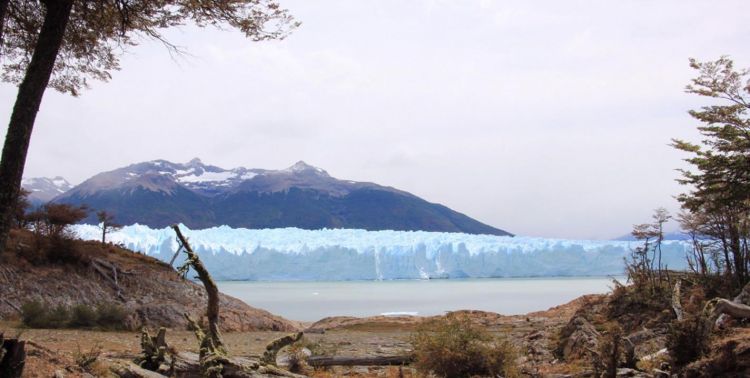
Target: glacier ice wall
345,254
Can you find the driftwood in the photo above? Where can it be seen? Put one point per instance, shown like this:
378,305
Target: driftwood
734,307
725,307
154,351
273,348
212,309
12,357
131,370
676,305
213,360
187,364
321,361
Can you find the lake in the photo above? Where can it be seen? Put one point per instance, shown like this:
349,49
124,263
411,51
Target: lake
314,300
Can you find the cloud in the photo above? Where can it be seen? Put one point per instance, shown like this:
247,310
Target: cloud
543,118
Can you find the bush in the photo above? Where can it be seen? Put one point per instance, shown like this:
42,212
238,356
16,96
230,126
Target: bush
58,317
34,314
82,316
688,340
111,316
453,346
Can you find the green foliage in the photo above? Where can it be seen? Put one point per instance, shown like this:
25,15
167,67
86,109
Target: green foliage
110,316
36,314
718,203
82,316
98,32
453,346
58,317
644,267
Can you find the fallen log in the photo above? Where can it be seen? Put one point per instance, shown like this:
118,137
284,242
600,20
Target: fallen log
735,310
743,298
321,361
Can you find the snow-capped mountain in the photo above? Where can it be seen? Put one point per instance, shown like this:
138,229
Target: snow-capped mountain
159,193
43,189
295,254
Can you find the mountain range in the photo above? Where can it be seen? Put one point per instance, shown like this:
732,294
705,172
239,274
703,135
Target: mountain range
159,193
43,189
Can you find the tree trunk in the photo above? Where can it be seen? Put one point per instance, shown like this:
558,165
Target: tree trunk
212,310
3,14
13,357
273,348
27,104
735,310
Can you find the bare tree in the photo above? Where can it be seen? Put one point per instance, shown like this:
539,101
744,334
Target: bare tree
107,224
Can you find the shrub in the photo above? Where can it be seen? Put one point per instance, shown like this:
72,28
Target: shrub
58,317
687,340
82,316
453,346
110,316
610,351
34,314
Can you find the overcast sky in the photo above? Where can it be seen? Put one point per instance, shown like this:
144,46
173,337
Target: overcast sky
543,118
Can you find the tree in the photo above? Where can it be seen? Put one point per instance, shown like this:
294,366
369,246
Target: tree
64,43
54,219
20,207
720,179
107,224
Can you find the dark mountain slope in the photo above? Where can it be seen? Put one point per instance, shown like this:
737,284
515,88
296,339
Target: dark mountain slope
160,193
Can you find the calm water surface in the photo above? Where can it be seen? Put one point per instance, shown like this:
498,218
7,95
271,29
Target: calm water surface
310,301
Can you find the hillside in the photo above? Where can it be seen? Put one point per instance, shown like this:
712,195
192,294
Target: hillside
159,193
150,291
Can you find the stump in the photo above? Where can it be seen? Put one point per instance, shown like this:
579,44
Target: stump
12,357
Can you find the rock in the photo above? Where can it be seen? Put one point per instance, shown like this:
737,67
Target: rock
578,339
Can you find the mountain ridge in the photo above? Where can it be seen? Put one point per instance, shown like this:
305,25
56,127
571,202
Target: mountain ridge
158,193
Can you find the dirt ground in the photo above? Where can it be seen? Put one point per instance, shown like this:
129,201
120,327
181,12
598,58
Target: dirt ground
63,351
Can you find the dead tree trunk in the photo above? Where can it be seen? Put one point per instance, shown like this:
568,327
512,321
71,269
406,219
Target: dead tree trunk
725,308
12,357
735,310
676,303
212,310
213,360
273,348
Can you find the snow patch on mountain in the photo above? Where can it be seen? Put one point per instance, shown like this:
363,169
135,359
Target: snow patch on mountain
346,254
44,189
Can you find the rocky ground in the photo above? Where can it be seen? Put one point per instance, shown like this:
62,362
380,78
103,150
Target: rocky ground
63,351
151,291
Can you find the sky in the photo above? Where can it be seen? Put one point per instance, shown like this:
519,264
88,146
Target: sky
542,118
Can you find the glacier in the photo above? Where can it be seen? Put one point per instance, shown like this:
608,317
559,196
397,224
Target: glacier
292,254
